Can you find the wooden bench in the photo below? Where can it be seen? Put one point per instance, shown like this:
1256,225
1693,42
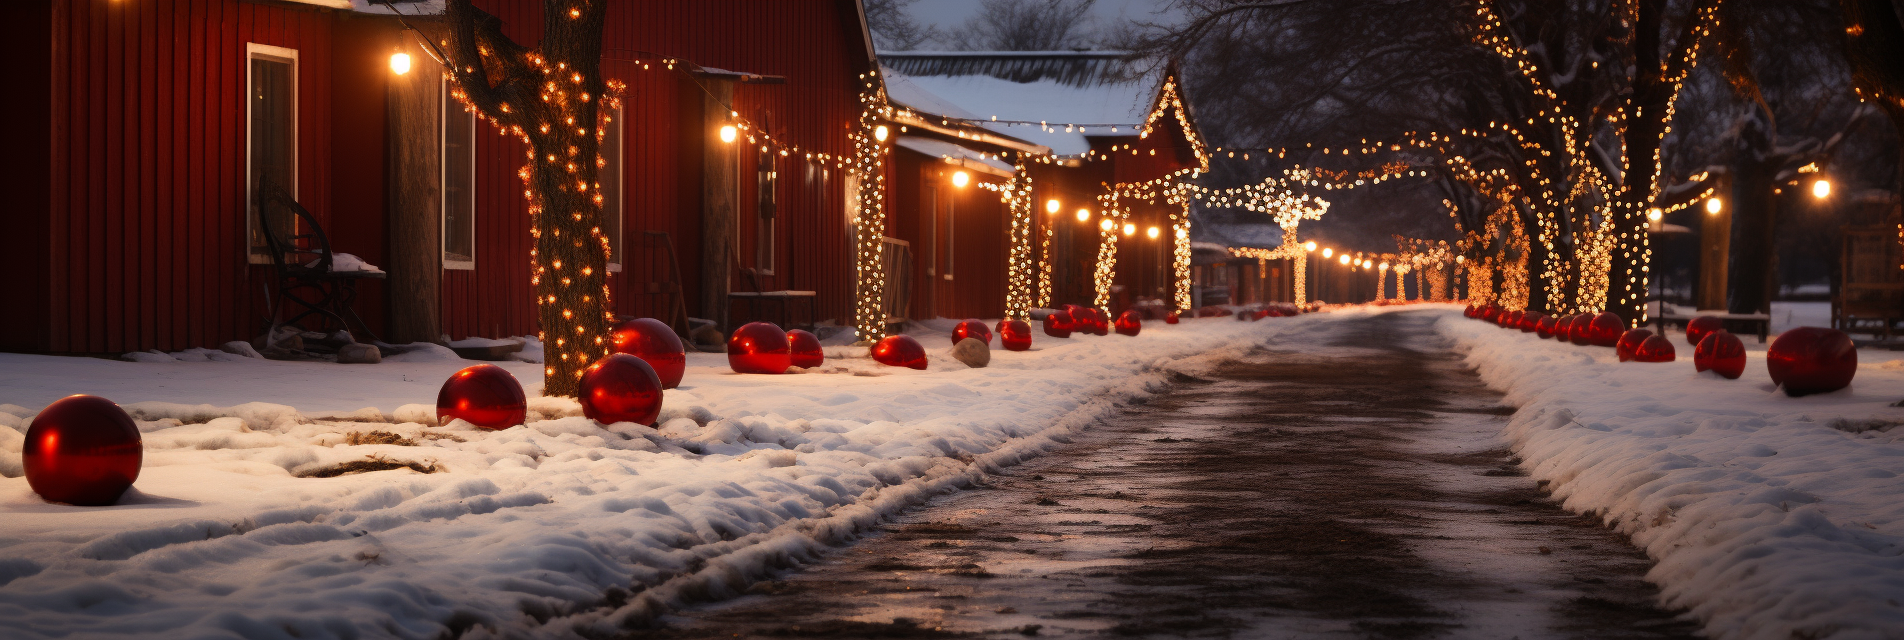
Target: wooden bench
1752,323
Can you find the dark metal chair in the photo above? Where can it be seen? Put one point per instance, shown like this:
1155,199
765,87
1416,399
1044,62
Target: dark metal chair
303,263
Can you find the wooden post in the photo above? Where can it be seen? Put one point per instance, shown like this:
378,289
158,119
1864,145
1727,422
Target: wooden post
1715,243
416,200
719,195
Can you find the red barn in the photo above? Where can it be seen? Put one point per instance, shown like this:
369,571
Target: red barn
142,125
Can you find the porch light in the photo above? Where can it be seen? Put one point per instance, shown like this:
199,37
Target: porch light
1328,253
1106,224
1130,229
400,63
1309,246
1714,206
880,132
1821,189
1344,260
729,133
1153,232
1052,205
960,179
1655,214
1084,215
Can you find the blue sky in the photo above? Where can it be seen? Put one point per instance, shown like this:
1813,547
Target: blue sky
951,13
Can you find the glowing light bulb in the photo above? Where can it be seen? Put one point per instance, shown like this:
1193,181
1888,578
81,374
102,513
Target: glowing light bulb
1655,214
400,63
1106,224
1821,189
1714,206
1309,246
1326,253
1153,232
1052,205
1130,229
729,133
960,179
1084,215
1345,259
880,132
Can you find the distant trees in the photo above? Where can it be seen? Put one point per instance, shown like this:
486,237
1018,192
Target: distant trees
1026,25
893,27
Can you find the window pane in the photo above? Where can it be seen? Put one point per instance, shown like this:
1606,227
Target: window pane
459,193
273,138
610,180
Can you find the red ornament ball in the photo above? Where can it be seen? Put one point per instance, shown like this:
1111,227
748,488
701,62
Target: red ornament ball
1170,318
804,348
1531,321
82,450
1720,352
484,395
1655,349
1511,319
1605,329
1468,312
1630,343
759,347
1489,313
1580,331
1545,327
1810,360
1014,334
1697,330
971,329
620,388
656,344
900,351
1128,323
1058,324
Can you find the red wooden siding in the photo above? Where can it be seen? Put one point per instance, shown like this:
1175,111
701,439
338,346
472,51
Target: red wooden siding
147,213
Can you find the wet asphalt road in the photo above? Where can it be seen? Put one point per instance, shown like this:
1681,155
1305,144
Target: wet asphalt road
1344,482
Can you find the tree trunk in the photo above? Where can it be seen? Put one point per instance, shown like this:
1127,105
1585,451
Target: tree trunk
416,201
719,202
1715,243
1755,255
1648,109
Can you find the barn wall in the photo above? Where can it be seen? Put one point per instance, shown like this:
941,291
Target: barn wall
25,254
147,173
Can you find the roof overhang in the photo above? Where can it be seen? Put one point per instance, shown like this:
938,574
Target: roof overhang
956,155
911,118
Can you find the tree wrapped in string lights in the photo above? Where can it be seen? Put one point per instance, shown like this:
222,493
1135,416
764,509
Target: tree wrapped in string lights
551,98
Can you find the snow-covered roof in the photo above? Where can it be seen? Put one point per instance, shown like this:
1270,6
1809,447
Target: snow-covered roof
404,7
955,154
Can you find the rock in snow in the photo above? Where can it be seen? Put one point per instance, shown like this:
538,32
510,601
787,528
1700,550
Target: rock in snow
973,353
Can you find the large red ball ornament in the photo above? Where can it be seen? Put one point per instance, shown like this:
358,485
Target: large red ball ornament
1544,327
1100,322
1655,349
971,329
620,388
1531,322
656,344
1697,330
82,450
804,349
1170,318
1720,352
484,395
1630,342
1058,324
1810,360
1489,313
1605,329
1014,334
900,351
1129,324
1580,331
1563,326
1468,312
759,347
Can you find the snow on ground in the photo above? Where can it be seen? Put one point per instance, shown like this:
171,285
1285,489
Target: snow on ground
1771,517
559,525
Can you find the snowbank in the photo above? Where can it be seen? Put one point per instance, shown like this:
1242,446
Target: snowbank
559,526
1770,517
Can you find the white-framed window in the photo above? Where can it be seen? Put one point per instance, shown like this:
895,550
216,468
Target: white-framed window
271,76
458,181
610,183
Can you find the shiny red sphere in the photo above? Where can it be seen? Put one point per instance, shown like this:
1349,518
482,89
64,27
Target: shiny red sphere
1510,319
1605,329
1014,334
655,343
1655,349
1810,360
1720,352
804,348
82,450
900,351
1100,322
759,347
1488,313
1128,323
1697,329
972,329
1545,326
620,388
484,395
1170,318
1630,343
1531,321
1580,331
1468,312
1058,324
